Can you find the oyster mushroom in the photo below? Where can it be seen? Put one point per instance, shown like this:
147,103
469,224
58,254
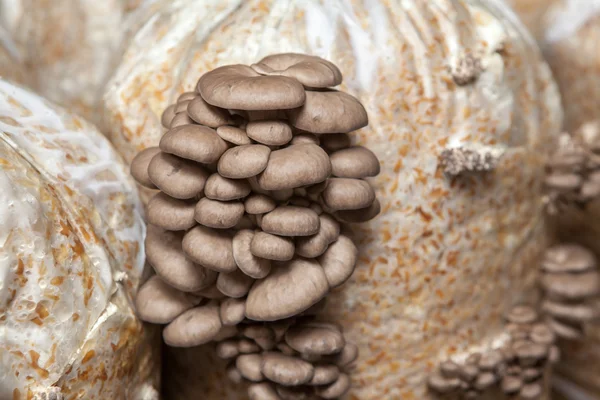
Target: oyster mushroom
177,177
167,116
311,71
315,339
339,260
271,133
211,248
262,391
335,390
244,161
354,162
568,258
259,204
272,247
194,327
205,114
218,214
522,314
249,366
348,194
572,286
194,142
234,284
159,303
286,370
181,118
291,221
314,246
232,311
170,213
139,166
251,265
233,135
324,375
225,189
227,349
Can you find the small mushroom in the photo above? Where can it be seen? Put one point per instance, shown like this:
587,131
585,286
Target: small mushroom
167,116
324,375
186,96
179,178
572,286
248,346
335,141
232,311
233,135
522,314
169,213
489,361
531,391
234,284
271,133
348,194
210,248
529,353
568,258
329,112
360,215
531,374
286,370
484,381
315,339
314,246
305,138
227,349
565,330
291,221
218,214
347,356
443,385
311,71
563,182
164,253
211,292
262,335
249,366
259,204
159,303
233,374
290,289
295,166
139,166
181,106
262,391
236,87
354,162
511,384
225,189
542,334
285,349
272,247
194,327
181,119
339,260
244,161
570,312
251,265
468,372
194,142
449,369
205,114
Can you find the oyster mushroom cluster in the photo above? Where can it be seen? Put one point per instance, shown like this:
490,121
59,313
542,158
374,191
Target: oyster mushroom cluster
256,175
516,368
289,359
571,284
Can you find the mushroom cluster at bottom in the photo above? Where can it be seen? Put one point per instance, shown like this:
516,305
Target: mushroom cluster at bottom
256,175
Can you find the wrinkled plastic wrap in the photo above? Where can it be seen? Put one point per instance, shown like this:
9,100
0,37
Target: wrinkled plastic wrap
446,257
71,258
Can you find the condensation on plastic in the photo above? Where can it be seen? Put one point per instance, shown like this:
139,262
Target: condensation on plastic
446,257
71,258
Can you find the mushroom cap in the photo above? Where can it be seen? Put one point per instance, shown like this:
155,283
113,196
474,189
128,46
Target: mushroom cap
249,366
522,314
290,289
335,141
529,353
139,166
572,286
443,385
315,245
449,369
490,360
347,356
311,71
227,349
194,327
272,247
239,87
180,119
542,334
531,390
315,339
257,331
225,189
233,135
185,96
211,292
234,284
251,265
179,178
339,260
232,311
563,182
360,215
570,312
511,384
269,132
167,116
164,253
305,138
568,257
218,214
210,248
194,142
291,221
295,166
354,162
233,374
169,213
286,370
262,391
244,161
158,303
181,106
258,203
348,194
207,115
325,374
247,346
335,390
566,330
484,381
329,112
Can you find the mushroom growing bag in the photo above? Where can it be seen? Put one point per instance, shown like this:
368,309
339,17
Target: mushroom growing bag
448,255
71,258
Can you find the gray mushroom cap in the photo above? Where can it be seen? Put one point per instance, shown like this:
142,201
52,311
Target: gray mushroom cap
181,106
259,204
348,194
251,265
227,349
194,327
262,391
336,389
244,161
232,311
210,248
347,356
315,339
568,257
180,119
177,177
158,303
286,370
233,135
563,182
305,138
329,112
205,114
169,213
247,346
218,214
249,366
443,385
360,215
311,71
339,260
194,142
290,289
335,141
291,221
570,312
325,374
271,133
314,246
186,96
272,247
164,253
225,189
522,314
239,87
565,330
511,384
167,116
531,391
572,286
354,162
234,284
542,334
139,166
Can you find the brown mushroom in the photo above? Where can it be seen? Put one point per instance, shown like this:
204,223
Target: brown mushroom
262,391
272,247
233,374
186,96
295,166
529,353
236,87
232,311
194,142
164,253
532,374
484,381
167,116
210,248
324,375
531,391
449,369
227,349
139,166
169,213
234,284
290,289
570,312
194,327
572,286
291,221
354,162
336,389
348,194
259,204
251,265
360,215
158,303
181,106
271,133
443,385
211,292
244,161
565,330
225,189
568,258
511,384
339,260
314,246
522,314
207,115
249,366
563,182
315,339
542,334
468,372
286,370
179,178
305,138
335,141
247,346
218,214
233,135
311,71
181,119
